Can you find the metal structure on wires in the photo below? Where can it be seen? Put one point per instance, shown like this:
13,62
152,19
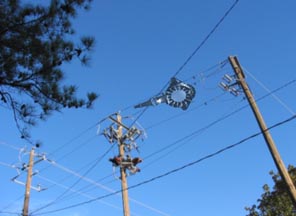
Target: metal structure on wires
201,44
182,141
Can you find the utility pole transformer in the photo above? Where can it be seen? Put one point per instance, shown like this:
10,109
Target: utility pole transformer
28,183
269,141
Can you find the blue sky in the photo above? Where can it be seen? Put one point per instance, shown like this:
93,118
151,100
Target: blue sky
139,46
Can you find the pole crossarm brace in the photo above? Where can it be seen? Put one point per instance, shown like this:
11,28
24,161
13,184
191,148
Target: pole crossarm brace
266,134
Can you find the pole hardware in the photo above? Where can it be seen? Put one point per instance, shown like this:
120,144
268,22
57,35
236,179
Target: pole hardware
125,137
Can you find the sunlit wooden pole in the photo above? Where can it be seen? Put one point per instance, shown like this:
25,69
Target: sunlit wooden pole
28,183
126,210
269,141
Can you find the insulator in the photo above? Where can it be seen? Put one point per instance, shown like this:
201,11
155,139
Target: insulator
227,78
223,86
234,91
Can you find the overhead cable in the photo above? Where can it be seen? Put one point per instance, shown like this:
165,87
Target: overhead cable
268,90
207,37
80,193
75,183
196,132
10,146
197,48
76,137
175,170
97,184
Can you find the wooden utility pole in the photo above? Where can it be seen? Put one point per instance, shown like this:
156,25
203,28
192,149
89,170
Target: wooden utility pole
126,210
269,141
28,183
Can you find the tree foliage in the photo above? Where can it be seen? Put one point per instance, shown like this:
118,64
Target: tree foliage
35,40
275,202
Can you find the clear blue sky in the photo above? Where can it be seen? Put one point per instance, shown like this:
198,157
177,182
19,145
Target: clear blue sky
139,47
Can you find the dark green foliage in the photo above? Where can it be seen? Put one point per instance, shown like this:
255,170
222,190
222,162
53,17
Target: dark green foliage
275,202
35,41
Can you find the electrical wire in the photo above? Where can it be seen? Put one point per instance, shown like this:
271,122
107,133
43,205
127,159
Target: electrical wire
268,90
6,164
218,67
177,72
10,146
90,187
176,169
206,38
12,203
205,103
99,185
270,93
12,213
76,137
184,140
196,49
197,132
78,192
83,144
75,183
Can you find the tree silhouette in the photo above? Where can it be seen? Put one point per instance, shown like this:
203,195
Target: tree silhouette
275,202
35,40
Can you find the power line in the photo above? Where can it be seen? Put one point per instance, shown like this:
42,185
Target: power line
273,95
11,203
175,170
12,213
197,48
206,38
76,137
6,164
270,93
205,103
177,144
75,183
196,132
97,184
9,146
80,193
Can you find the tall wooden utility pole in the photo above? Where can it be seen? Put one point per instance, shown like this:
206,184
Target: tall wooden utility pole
270,143
28,183
126,210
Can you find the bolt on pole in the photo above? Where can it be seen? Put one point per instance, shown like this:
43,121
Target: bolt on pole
28,184
268,139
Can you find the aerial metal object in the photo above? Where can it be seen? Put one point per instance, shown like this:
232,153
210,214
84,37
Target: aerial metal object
178,94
